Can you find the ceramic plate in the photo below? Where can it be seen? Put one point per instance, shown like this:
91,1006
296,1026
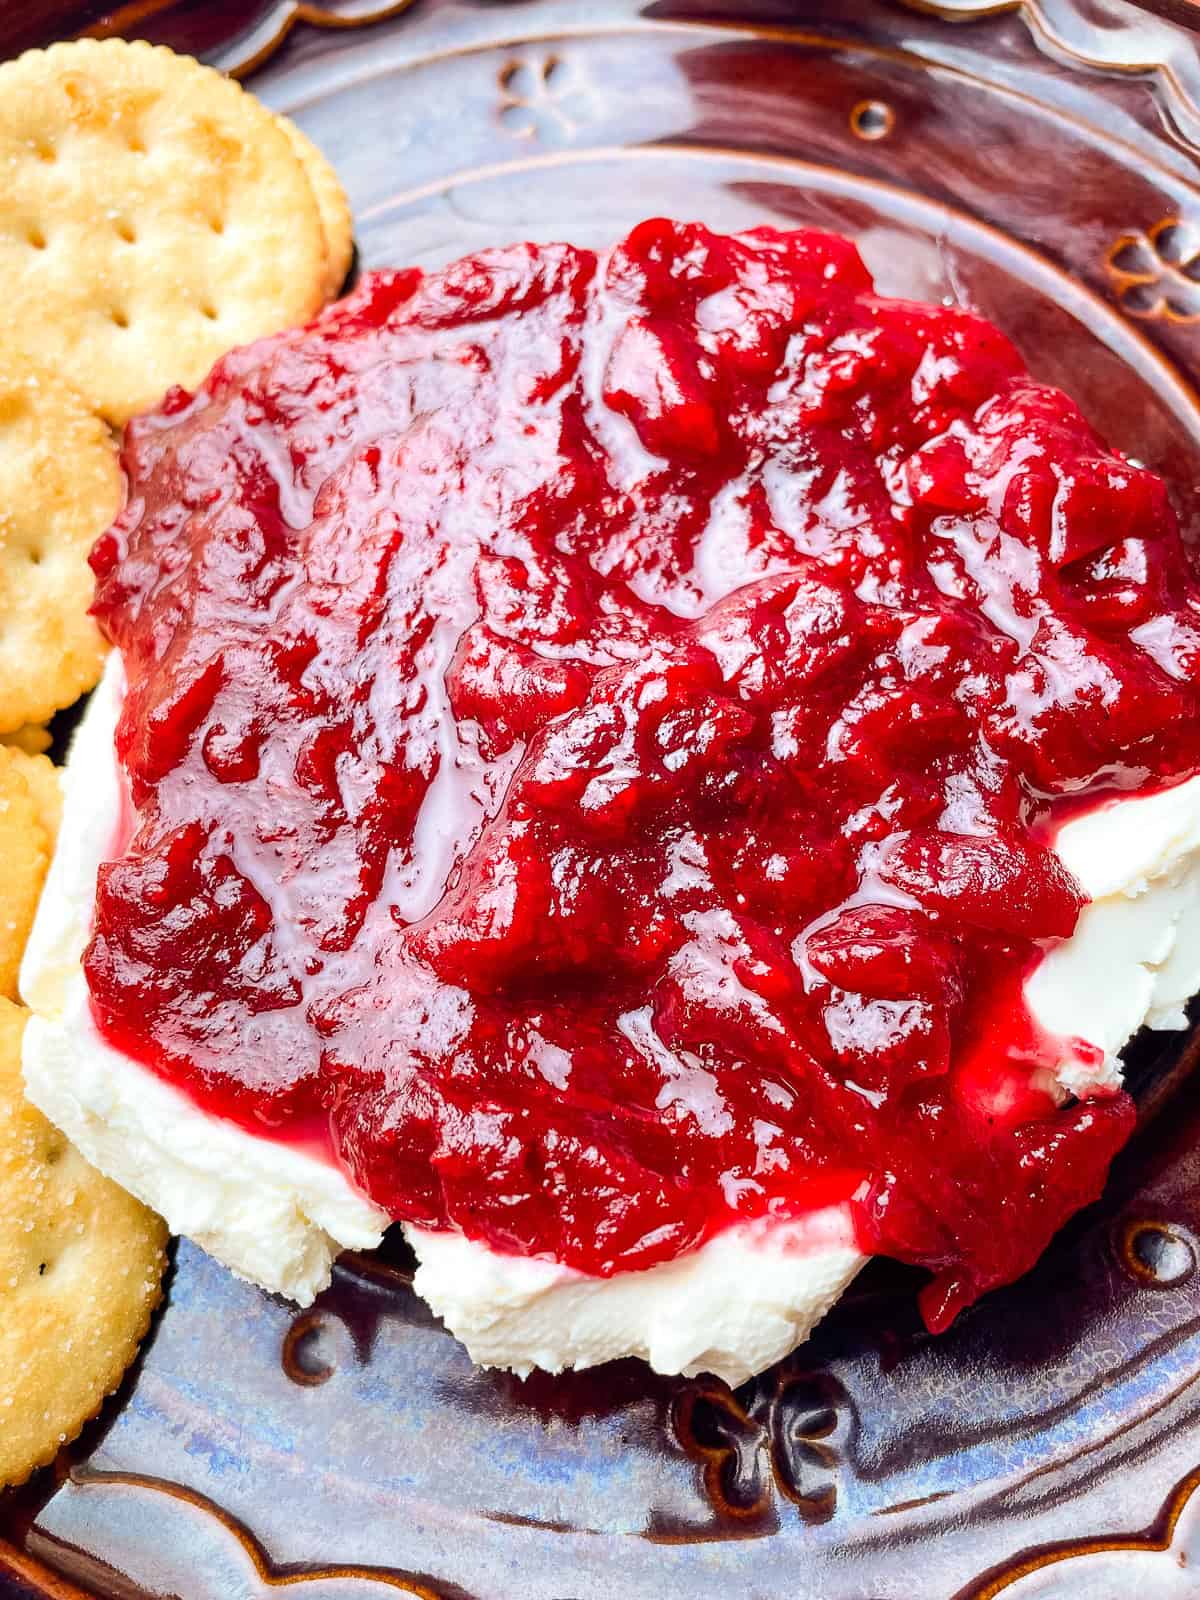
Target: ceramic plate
1038,162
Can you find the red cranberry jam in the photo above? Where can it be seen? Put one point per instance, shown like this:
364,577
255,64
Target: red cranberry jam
593,730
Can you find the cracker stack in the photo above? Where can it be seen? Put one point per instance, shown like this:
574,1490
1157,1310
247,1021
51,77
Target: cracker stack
153,215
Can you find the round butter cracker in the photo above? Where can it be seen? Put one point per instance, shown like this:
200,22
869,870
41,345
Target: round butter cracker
153,215
331,200
44,782
24,859
32,737
81,1266
60,487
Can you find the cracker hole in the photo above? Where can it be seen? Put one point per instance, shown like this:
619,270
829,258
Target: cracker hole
41,1269
136,144
120,318
36,239
35,556
217,224
44,150
126,231
209,311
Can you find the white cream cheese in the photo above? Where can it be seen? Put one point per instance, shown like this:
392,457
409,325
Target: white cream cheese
272,1213
1134,958
735,1306
732,1307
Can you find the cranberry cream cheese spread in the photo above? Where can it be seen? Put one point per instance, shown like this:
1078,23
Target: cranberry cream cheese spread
668,773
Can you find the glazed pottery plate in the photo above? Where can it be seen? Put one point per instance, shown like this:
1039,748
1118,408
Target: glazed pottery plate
1038,162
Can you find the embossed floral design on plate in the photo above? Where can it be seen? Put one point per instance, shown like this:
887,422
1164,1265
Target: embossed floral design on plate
543,94
1157,274
784,1434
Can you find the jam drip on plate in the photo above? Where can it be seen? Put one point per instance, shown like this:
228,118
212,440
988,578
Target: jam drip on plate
595,729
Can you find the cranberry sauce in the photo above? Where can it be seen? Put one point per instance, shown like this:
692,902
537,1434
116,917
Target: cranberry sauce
593,730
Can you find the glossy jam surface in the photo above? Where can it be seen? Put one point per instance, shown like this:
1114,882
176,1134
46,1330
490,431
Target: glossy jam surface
593,731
